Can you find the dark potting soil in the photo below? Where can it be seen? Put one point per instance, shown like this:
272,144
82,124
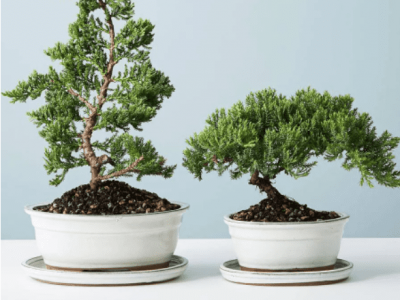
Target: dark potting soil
111,198
282,211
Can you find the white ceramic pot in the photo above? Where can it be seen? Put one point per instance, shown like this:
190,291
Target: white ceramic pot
103,242
287,245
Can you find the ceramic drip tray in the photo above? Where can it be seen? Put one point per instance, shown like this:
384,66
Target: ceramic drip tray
140,268
36,268
231,271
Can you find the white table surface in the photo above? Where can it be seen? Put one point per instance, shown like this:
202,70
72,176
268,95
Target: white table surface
376,275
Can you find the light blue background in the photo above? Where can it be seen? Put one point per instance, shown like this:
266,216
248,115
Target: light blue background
215,53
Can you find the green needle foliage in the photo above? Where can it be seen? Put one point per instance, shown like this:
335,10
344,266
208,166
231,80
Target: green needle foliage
86,96
270,133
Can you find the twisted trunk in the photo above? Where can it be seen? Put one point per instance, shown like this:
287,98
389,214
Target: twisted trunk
95,162
265,185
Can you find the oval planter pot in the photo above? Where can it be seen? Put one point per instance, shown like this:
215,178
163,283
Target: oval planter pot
287,245
141,241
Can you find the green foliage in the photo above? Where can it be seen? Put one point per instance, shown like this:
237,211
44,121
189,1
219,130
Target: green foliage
271,133
135,97
139,96
152,164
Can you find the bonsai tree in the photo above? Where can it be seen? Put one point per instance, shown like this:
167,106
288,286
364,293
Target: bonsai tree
88,95
270,134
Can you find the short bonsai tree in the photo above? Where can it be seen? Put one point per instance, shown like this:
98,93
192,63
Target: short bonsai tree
87,95
270,134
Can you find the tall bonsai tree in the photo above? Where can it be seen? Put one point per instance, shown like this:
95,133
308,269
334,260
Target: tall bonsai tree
88,95
270,134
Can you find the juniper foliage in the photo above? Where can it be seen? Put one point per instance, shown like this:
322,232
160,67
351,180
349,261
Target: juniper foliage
76,96
271,133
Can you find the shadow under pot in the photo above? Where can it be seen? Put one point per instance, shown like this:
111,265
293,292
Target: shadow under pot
82,242
287,246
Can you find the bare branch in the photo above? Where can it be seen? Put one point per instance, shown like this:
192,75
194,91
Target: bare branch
131,168
90,106
214,159
105,159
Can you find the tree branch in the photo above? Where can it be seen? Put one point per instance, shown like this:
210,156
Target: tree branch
122,172
90,106
216,161
105,159
280,169
110,66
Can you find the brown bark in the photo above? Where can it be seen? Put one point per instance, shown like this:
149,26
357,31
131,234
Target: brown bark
88,151
122,172
90,106
95,162
265,185
100,161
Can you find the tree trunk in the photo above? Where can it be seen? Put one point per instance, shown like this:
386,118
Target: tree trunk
265,185
95,162
94,182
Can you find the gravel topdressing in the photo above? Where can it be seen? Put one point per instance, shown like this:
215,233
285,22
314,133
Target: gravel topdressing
282,211
111,198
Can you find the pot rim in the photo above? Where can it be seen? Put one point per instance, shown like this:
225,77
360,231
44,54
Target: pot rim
29,210
228,220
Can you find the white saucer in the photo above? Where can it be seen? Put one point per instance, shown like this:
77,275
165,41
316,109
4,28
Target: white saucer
231,271
36,269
